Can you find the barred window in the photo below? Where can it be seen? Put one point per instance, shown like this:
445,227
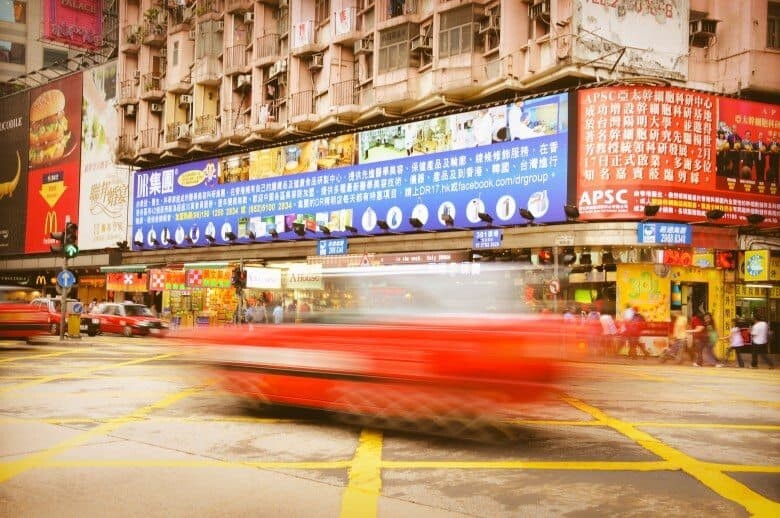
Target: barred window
773,25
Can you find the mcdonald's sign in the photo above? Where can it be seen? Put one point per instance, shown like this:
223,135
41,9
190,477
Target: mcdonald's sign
50,225
40,280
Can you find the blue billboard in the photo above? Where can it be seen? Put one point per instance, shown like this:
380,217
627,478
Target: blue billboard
472,187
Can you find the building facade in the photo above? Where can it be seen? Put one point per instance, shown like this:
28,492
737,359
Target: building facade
262,118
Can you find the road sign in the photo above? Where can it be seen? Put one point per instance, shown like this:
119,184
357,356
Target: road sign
66,279
555,286
76,307
564,240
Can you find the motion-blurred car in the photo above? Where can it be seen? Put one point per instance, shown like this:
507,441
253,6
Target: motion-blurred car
20,319
54,307
127,319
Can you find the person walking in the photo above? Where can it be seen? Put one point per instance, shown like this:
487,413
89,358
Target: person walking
698,331
708,356
278,313
759,338
634,329
679,341
737,343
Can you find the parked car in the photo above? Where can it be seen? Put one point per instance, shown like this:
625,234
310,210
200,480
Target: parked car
54,307
20,319
127,319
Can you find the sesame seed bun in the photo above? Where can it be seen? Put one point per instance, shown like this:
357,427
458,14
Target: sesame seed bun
50,102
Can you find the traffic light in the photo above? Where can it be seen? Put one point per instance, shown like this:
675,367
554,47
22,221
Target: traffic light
567,257
70,244
58,247
546,256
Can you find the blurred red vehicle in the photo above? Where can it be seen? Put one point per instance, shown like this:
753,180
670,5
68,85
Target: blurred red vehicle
21,320
464,370
127,319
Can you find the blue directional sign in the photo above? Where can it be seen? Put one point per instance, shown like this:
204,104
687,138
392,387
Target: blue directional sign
488,238
332,246
77,308
66,279
664,233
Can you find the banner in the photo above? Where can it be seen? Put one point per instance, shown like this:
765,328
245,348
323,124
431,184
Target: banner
74,23
14,133
54,160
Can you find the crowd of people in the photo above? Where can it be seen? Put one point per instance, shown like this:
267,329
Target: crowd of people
694,339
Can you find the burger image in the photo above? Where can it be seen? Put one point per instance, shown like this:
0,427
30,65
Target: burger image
48,128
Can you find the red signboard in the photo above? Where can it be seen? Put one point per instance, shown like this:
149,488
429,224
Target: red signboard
640,146
54,160
76,23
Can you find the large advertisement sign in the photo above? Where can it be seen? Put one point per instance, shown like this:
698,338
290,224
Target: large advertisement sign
640,146
54,156
104,190
468,187
74,23
626,35
13,175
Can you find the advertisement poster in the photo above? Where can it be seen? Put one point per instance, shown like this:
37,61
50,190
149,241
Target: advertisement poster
185,205
14,133
640,146
75,24
54,160
104,190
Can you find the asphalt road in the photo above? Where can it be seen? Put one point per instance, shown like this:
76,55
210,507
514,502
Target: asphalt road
127,427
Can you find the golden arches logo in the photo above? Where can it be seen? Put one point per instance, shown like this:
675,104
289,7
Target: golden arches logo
40,280
49,224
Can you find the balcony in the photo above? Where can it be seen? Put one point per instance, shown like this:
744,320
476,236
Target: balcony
268,49
154,34
125,148
235,58
150,142
208,9
265,120
302,108
180,18
205,127
131,39
177,135
305,40
347,26
397,11
128,92
238,6
235,126
345,98
152,88
207,71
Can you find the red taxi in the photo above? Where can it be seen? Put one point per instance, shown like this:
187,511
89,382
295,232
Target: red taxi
20,320
127,318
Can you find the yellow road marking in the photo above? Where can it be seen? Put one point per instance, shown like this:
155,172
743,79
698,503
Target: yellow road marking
82,372
712,478
39,356
365,481
11,469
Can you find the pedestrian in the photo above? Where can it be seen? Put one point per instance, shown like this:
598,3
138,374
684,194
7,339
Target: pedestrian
258,313
759,338
591,320
711,338
92,305
609,334
278,313
634,329
679,341
698,332
737,342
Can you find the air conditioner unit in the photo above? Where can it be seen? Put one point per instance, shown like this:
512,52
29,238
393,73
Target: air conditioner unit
249,17
182,131
219,26
273,70
282,65
243,80
703,27
420,43
364,45
192,34
137,75
156,108
185,99
315,62
130,110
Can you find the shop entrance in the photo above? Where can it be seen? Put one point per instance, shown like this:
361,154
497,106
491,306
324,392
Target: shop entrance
692,298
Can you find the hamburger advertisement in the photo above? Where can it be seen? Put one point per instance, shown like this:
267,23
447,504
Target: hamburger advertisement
13,175
54,158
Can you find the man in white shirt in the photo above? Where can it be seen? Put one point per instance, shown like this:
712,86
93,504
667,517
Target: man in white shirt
759,334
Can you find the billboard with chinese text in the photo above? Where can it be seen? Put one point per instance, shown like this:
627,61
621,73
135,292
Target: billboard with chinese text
459,187
644,145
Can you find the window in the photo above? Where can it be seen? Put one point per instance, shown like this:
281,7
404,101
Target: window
773,25
175,57
11,52
321,12
394,48
52,56
457,32
13,12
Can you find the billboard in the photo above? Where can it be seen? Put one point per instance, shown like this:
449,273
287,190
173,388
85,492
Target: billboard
104,189
441,189
14,132
644,145
75,24
641,37
54,160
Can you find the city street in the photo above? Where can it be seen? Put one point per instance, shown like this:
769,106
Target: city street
111,426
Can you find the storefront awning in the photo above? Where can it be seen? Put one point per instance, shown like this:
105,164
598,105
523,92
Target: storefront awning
124,269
